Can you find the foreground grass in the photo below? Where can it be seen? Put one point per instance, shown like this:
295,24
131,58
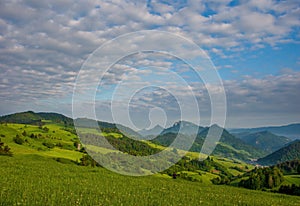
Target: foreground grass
37,180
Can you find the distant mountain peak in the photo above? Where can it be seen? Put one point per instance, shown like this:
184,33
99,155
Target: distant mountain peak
157,127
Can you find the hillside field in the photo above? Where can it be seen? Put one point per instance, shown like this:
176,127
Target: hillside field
49,174
37,180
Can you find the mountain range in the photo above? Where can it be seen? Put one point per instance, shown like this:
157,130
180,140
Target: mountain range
243,144
265,140
228,146
291,131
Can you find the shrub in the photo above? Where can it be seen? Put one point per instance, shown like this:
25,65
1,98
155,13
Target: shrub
87,160
49,145
46,129
4,149
24,133
64,160
18,140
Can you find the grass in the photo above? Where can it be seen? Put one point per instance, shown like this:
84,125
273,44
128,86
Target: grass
292,179
38,180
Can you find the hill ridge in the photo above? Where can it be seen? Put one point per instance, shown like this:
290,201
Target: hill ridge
290,152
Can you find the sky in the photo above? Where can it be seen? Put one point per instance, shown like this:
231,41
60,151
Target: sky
253,46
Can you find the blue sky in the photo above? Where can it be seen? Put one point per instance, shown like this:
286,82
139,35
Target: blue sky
253,44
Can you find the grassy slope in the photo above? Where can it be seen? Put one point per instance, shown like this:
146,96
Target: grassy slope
56,134
35,146
60,184
292,179
34,180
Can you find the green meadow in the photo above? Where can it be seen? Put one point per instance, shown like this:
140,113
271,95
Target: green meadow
38,180
39,174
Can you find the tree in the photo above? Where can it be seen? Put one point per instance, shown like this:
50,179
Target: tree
24,133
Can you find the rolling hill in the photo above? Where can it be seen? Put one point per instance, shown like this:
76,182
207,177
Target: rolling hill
291,131
60,142
31,117
287,153
40,118
265,140
89,123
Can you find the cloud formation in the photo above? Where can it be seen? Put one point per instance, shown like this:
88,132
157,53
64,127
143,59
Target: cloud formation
43,45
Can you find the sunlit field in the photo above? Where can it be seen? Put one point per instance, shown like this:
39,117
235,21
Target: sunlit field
37,180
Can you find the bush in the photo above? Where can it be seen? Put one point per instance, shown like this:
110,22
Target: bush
4,149
46,129
49,145
64,160
64,146
24,133
87,160
18,140
222,180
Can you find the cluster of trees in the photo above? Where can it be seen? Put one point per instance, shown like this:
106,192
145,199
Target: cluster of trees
109,130
290,189
208,165
123,144
263,178
221,180
70,129
87,160
290,167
